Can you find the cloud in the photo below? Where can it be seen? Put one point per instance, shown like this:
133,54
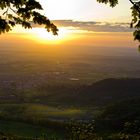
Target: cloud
94,26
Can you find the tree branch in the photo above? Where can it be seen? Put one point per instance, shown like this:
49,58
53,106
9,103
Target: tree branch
132,2
13,10
135,5
5,11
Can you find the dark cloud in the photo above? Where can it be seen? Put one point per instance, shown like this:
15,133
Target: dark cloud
95,26
68,23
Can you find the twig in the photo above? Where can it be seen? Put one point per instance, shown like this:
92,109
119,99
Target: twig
13,10
6,11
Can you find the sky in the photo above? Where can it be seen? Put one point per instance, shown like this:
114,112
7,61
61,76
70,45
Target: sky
86,10
80,22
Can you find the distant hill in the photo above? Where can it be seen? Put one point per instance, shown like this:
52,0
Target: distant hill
111,90
100,93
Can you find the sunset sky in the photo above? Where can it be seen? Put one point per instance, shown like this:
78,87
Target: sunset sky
80,22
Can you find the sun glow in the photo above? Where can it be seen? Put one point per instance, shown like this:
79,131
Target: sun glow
42,36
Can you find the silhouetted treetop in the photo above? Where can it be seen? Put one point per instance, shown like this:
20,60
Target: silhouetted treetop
23,12
111,2
135,23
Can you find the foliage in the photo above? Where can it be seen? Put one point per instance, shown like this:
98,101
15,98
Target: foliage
130,131
111,2
132,128
23,12
135,15
80,130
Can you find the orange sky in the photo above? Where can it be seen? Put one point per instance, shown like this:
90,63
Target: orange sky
66,38
91,24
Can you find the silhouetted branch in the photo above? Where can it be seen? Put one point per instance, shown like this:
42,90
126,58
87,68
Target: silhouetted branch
6,11
136,6
12,10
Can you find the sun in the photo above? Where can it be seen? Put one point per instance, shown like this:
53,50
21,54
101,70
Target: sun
42,36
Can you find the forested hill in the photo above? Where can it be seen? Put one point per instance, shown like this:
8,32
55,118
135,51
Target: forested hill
110,90
100,93
122,84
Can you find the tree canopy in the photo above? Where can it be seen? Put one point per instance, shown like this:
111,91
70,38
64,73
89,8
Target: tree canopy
26,12
23,12
135,23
